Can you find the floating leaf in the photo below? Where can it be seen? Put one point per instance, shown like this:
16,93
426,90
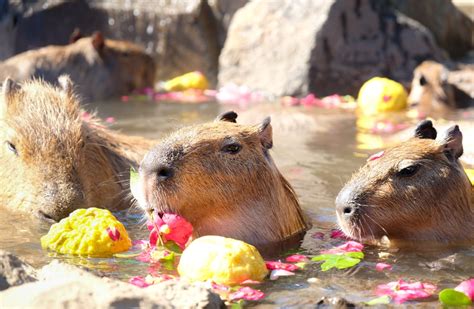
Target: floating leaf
451,297
173,246
382,300
339,261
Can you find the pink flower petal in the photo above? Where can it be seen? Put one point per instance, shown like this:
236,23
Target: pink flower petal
401,291
383,266
246,293
271,265
295,258
179,230
318,235
114,234
139,281
387,98
110,119
276,273
350,246
249,281
467,287
338,234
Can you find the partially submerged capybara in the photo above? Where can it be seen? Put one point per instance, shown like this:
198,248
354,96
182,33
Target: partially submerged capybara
434,90
415,191
53,162
220,177
100,68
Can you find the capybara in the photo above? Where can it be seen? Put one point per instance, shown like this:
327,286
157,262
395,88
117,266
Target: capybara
434,91
100,68
415,191
221,178
53,162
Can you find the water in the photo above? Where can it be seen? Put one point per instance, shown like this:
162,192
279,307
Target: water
317,150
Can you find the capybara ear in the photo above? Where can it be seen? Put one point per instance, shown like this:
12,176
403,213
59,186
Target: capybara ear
9,87
75,35
230,116
425,130
452,143
98,41
266,133
66,85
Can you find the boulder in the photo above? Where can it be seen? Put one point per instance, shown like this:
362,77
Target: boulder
63,285
290,47
223,11
180,35
452,29
14,271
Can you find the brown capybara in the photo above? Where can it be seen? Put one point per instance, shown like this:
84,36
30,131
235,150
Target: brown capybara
415,191
100,68
434,91
53,162
221,178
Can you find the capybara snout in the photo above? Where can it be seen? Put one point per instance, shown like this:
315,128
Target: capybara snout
417,190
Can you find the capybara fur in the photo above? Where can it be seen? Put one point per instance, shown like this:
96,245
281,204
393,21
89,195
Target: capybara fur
415,191
53,162
221,178
434,92
101,68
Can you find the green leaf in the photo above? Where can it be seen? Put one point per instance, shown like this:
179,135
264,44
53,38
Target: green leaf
134,176
237,305
451,297
162,255
382,300
339,261
172,246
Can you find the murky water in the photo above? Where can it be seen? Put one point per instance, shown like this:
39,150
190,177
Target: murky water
317,150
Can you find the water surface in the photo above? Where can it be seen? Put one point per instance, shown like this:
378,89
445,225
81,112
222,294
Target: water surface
317,150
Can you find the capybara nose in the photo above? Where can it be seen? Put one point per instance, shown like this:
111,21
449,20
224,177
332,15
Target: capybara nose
345,202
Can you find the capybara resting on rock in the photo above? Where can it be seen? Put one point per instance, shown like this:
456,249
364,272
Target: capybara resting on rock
412,192
52,162
436,91
220,177
100,68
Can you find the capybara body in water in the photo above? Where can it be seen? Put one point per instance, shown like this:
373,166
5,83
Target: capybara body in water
100,68
434,90
412,192
52,162
220,177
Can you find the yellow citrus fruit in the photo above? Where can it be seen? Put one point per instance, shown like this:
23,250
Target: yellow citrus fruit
91,232
470,174
191,80
222,260
381,94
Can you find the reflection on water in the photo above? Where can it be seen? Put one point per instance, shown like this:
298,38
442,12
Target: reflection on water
317,150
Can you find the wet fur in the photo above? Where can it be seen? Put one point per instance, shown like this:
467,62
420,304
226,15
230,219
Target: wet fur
241,195
436,204
63,162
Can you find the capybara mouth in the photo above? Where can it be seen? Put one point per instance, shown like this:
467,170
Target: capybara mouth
360,228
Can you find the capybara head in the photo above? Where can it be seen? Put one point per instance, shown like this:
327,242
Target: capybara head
51,161
431,93
129,67
417,190
220,177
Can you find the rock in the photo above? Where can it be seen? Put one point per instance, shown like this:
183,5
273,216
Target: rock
334,302
63,285
452,29
13,271
293,47
223,11
180,35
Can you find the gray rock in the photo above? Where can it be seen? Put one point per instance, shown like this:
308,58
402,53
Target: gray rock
13,271
290,47
63,285
452,29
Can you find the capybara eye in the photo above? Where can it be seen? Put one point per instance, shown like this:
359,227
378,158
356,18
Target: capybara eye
12,148
409,170
423,81
232,148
